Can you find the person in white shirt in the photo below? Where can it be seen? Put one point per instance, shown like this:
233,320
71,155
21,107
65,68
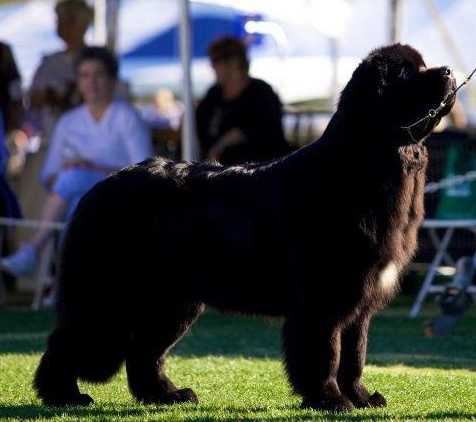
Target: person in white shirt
88,143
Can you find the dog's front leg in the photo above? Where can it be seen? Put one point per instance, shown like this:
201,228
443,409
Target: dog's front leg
312,353
352,361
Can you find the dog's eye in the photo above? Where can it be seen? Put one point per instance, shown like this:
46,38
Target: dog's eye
408,72
403,73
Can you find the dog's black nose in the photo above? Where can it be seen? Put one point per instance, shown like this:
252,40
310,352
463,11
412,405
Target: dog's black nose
446,71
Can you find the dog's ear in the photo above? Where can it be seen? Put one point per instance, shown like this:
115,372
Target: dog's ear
373,74
366,85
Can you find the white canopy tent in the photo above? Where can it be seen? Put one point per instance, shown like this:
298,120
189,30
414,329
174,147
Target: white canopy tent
305,71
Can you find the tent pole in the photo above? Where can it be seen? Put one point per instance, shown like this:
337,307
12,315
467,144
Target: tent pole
395,20
100,30
189,143
334,53
106,13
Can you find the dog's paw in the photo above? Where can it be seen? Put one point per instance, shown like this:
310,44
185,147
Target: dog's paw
336,404
76,400
357,394
377,400
178,396
361,398
182,396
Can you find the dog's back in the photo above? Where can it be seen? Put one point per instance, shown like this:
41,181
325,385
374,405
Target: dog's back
209,232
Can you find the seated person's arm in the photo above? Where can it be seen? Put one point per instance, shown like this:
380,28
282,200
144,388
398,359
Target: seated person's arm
89,165
205,117
54,158
262,128
233,137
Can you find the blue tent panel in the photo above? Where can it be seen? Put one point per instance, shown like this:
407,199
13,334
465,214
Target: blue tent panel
205,29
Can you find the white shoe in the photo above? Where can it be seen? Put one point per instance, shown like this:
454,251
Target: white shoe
22,263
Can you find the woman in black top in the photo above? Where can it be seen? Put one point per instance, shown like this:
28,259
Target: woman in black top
240,118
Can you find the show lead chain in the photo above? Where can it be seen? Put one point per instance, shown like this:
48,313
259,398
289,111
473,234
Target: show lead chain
433,112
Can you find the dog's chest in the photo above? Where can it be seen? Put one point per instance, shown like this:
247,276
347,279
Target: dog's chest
387,278
401,211
402,204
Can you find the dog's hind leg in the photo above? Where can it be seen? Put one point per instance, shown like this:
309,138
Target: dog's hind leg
146,355
352,361
312,347
56,377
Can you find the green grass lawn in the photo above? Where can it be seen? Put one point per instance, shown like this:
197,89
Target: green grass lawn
233,364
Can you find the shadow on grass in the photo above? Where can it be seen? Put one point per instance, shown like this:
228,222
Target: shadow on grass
403,417
189,413
394,339
232,413
22,412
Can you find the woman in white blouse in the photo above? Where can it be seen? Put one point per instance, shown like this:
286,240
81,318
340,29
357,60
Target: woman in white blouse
88,143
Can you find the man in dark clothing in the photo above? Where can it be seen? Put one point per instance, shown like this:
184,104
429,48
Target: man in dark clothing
240,118
11,115
10,90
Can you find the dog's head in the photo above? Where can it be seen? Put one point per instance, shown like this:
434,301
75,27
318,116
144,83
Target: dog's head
392,88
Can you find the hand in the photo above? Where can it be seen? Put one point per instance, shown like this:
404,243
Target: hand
233,137
215,152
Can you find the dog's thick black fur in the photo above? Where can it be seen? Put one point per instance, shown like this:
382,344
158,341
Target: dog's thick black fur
318,237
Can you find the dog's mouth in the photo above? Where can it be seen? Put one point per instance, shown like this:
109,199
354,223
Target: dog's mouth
447,97
420,128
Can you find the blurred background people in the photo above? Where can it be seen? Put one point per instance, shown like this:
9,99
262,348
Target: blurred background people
240,118
9,206
52,92
53,88
89,142
11,105
165,112
11,116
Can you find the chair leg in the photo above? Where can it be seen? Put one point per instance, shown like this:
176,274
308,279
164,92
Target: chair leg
447,259
430,275
42,277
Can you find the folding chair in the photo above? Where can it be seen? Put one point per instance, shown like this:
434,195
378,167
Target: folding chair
454,213
43,277
441,244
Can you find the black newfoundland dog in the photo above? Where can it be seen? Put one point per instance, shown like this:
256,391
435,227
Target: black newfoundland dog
318,237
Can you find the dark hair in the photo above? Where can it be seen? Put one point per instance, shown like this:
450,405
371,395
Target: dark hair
76,8
227,48
101,54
